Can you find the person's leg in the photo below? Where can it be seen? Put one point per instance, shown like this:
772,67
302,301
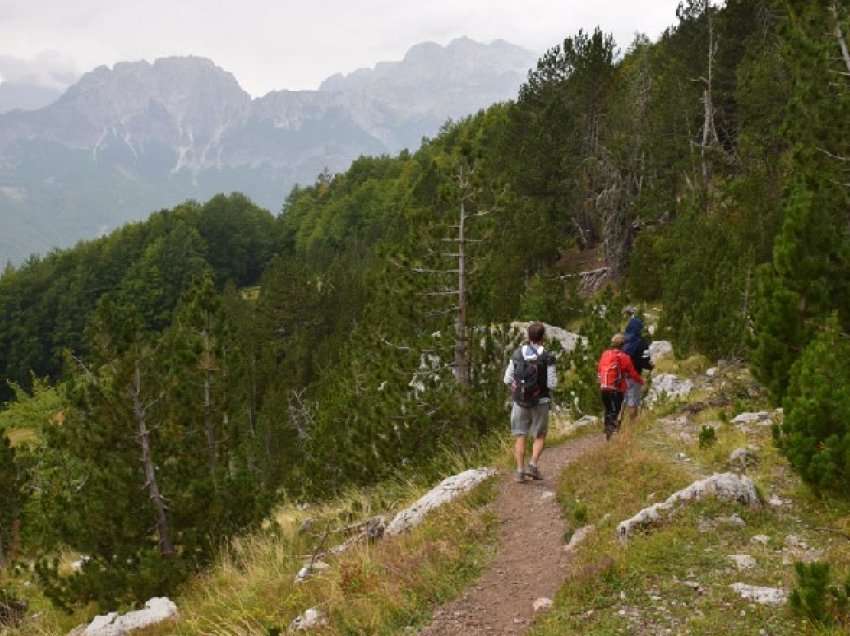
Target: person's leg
539,428
632,398
520,424
519,452
618,403
610,412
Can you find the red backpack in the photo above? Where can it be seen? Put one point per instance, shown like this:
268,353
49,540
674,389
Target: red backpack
610,373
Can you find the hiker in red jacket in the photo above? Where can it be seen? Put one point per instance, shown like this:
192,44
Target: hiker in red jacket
614,367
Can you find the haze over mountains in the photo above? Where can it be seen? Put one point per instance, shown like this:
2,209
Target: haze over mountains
125,141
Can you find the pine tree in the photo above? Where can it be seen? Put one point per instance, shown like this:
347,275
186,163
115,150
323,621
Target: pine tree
815,434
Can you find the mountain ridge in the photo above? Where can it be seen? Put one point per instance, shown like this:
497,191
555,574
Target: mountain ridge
126,140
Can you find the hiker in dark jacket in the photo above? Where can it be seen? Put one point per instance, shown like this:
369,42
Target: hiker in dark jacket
637,349
614,369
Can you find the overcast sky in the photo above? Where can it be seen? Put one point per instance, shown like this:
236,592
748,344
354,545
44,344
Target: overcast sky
275,44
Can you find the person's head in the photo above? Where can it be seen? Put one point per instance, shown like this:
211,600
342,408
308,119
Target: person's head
536,331
630,310
617,340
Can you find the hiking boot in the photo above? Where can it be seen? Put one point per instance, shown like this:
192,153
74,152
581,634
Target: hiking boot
534,472
519,476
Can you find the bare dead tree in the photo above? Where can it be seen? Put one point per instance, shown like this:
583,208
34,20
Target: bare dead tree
140,411
461,243
709,131
839,36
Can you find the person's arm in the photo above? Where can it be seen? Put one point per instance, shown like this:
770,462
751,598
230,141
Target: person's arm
629,368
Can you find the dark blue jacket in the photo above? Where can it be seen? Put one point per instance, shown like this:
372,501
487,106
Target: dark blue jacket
635,345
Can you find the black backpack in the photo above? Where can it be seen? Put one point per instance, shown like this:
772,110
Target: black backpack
529,383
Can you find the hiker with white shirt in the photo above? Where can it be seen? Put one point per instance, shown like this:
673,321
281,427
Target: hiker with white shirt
531,377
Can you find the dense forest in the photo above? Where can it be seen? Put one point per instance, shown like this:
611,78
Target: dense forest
168,383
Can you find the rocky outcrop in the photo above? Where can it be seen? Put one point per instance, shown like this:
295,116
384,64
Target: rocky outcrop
726,486
447,490
157,610
659,349
668,386
567,339
760,417
760,595
310,619
742,458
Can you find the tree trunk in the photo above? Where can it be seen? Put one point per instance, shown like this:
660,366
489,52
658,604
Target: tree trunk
709,132
2,552
839,35
461,366
163,529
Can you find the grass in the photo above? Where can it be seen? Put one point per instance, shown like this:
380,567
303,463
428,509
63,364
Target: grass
371,589
676,578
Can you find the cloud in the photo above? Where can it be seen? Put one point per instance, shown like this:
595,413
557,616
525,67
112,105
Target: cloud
47,69
274,44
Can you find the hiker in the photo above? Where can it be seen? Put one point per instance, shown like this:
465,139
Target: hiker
638,350
613,369
530,376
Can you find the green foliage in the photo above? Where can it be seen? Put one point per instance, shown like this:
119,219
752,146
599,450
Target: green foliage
815,599
13,496
815,435
707,437
543,300
31,411
47,302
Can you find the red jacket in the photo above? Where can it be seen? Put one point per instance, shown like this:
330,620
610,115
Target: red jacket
622,360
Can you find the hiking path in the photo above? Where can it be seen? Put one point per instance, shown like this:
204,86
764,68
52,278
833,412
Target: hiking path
530,561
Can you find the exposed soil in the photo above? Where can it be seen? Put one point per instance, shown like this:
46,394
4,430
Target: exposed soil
530,562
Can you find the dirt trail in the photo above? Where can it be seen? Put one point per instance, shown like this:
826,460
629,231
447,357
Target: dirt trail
530,562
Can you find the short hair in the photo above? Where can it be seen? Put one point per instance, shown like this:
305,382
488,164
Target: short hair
536,331
617,340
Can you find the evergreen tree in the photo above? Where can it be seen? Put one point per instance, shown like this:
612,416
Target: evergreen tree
815,434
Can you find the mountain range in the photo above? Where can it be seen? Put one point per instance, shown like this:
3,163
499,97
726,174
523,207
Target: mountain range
124,141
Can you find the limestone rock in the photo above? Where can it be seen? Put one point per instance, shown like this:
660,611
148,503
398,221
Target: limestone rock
743,561
156,611
711,372
447,490
310,619
542,604
761,539
761,595
578,537
587,420
309,569
762,418
742,458
669,385
795,549
726,486
567,339
659,349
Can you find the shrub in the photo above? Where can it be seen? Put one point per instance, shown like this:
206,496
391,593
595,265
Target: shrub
815,433
707,437
814,598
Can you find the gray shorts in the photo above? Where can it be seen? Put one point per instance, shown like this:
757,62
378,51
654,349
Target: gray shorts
533,420
633,392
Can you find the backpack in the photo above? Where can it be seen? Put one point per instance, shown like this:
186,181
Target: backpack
529,383
610,373
644,359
